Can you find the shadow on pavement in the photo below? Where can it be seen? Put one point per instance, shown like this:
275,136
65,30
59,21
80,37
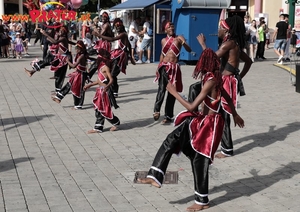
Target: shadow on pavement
20,121
267,138
248,186
12,163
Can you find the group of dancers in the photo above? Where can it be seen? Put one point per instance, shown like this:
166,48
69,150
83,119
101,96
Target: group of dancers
199,132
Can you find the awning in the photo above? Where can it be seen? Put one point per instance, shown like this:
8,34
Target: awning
134,5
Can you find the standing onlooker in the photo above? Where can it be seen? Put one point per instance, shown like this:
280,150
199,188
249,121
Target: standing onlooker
5,42
147,40
288,41
133,34
261,47
267,40
18,45
280,37
85,28
261,44
294,40
247,25
252,42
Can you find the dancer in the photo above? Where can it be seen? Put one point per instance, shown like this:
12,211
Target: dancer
104,97
199,133
119,55
77,78
101,43
169,70
232,32
59,64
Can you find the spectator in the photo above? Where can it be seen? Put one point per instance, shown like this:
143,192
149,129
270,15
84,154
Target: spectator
133,34
247,25
85,28
261,44
280,36
252,42
147,40
288,41
294,40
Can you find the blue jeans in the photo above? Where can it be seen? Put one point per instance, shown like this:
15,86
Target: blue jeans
280,44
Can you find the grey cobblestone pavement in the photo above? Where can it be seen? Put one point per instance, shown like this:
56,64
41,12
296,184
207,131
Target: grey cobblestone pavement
49,163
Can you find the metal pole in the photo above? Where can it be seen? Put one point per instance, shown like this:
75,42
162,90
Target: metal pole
291,11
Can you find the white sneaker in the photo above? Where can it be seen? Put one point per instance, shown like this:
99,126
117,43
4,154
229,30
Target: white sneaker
139,62
148,61
280,62
280,59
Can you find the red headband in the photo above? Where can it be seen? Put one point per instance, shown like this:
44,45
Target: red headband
119,23
168,25
224,25
105,14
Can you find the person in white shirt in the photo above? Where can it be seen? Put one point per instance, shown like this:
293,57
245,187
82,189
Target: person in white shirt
147,41
133,34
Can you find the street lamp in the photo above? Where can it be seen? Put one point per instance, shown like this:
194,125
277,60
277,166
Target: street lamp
292,10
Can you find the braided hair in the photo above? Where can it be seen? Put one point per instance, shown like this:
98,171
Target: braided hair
120,22
208,62
103,57
237,30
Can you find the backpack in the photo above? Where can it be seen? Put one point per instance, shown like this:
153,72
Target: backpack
150,29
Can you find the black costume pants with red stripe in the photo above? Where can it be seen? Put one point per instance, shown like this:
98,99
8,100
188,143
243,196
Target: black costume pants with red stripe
176,141
170,102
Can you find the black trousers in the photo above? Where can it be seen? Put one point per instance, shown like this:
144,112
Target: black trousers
115,71
226,142
260,49
101,119
176,141
93,69
170,102
60,76
78,102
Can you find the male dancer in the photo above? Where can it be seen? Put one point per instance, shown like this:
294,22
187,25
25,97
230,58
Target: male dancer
104,97
77,79
169,70
232,31
199,133
59,65
119,55
101,43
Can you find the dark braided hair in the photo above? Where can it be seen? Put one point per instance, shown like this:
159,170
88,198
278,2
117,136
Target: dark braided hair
237,30
104,57
208,62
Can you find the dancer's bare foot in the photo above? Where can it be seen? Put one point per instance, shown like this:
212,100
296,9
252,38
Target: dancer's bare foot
148,181
94,131
113,128
221,155
196,207
29,73
55,99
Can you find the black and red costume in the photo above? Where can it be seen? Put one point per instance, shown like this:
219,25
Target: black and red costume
119,59
103,100
168,71
75,84
198,137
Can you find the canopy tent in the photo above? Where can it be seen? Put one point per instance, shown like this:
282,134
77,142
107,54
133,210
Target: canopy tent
134,5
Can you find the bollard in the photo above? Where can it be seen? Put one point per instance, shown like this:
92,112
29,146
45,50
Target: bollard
298,78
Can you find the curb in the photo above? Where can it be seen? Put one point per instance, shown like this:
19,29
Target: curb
287,68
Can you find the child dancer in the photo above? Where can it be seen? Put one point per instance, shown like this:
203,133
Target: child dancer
104,96
77,79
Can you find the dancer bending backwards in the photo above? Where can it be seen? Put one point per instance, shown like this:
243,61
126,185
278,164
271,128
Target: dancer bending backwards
77,78
232,32
199,133
169,70
104,97
119,55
